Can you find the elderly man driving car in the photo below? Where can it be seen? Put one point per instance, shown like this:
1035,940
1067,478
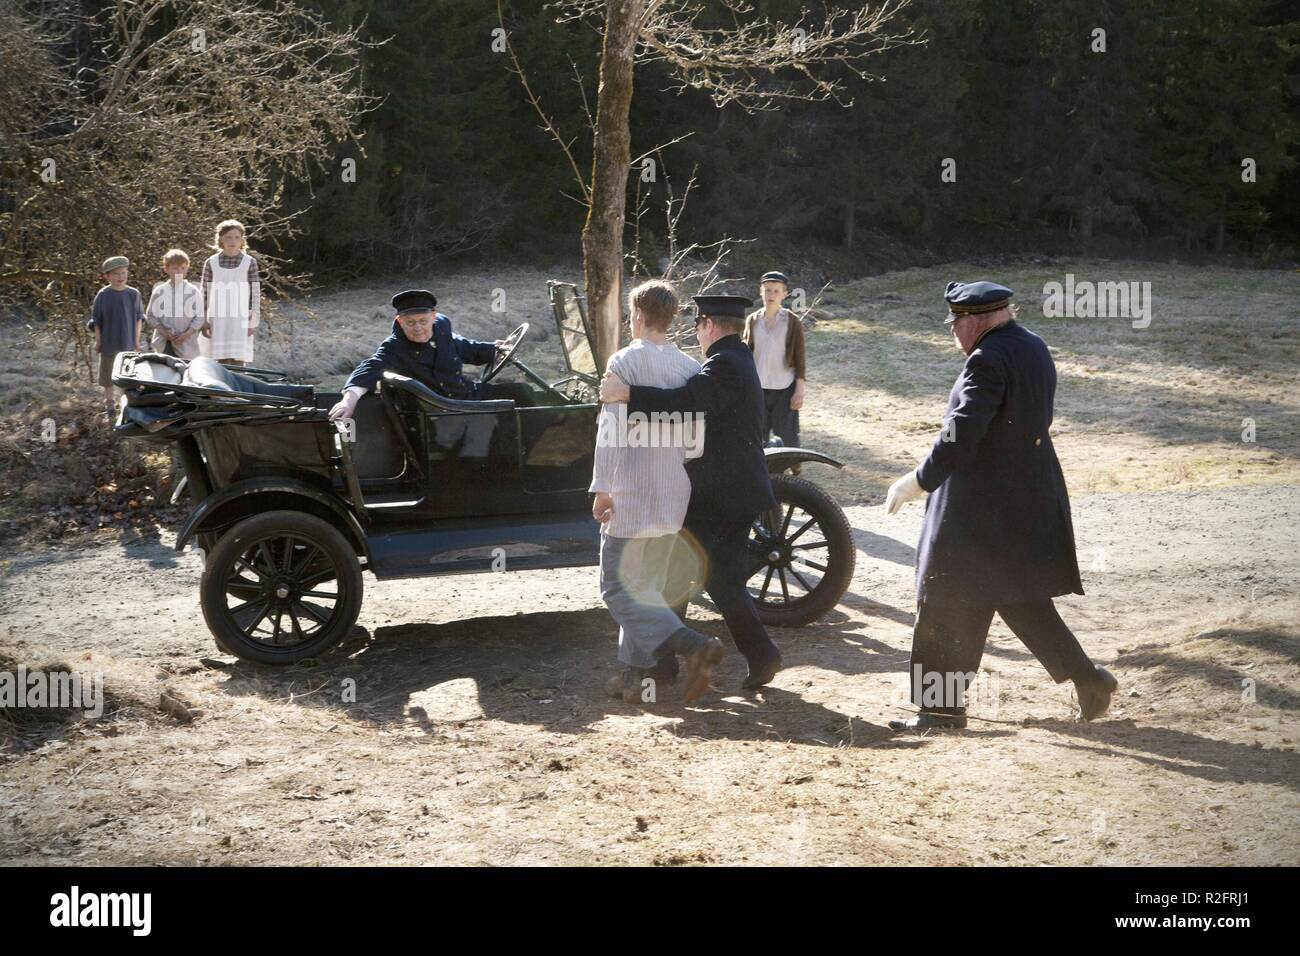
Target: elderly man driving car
422,346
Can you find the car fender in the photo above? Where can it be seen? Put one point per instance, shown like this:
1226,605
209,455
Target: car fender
235,501
780,458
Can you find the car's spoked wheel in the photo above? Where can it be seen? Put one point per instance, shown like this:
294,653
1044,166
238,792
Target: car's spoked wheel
786,562
282,590
801,554
280,587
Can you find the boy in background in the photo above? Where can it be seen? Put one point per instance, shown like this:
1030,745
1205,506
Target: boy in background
775,335
176,309
116,318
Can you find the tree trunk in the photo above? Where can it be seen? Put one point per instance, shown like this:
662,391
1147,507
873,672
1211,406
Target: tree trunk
849,208
1220,227
602,236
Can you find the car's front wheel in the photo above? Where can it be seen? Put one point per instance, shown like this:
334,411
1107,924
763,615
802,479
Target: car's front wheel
280,587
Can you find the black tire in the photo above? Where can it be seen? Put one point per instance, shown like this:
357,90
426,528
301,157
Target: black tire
790,587
266,565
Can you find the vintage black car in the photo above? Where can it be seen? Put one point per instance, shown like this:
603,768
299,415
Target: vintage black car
290,508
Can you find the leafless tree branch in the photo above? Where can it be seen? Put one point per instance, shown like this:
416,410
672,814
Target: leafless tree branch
547,123
200,110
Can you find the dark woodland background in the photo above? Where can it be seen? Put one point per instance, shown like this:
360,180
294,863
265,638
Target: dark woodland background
1135,151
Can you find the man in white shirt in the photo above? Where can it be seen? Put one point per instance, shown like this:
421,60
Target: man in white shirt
642,492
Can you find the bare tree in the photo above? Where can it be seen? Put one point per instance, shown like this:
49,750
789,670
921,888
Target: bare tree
735,56
139,128
695,268
602,235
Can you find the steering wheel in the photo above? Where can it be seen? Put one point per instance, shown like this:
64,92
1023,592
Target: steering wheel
505,353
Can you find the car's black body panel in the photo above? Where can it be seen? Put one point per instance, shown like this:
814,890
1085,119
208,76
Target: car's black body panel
236,501
463,545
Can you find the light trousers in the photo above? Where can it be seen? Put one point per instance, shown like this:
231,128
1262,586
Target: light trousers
633,572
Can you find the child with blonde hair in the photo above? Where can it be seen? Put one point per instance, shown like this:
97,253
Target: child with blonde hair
176,309
232,296
642,492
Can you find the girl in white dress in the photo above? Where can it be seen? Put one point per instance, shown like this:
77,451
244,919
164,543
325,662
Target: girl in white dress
232,294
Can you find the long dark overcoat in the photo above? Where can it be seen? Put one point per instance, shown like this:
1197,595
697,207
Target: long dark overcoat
997,525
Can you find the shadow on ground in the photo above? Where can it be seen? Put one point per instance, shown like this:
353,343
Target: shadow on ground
1177,751
549,669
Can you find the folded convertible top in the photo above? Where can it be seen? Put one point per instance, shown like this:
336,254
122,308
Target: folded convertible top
162,401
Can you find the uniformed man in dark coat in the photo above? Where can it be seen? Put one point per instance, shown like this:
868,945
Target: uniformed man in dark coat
997,535
422,346
730,486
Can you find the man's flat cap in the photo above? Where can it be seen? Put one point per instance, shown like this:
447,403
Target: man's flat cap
775,277
113,262
723,306
414,300
975,298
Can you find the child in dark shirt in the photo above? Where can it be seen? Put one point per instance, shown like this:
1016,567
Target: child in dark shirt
116,318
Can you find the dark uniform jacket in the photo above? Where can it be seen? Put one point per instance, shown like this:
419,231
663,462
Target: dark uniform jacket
436,363
729,480
997,526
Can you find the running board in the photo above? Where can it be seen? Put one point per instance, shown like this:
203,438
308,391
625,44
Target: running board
468,545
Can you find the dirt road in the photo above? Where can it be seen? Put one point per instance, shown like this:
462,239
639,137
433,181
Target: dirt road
464,722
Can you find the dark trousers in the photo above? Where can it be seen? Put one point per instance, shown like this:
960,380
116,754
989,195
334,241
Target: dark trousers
948,643
719,554
778,417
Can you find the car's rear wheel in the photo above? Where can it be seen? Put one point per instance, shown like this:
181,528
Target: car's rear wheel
801,555
280,587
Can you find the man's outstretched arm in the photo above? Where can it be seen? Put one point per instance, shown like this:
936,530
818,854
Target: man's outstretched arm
368,373
363,379
980,391
713,389
474,352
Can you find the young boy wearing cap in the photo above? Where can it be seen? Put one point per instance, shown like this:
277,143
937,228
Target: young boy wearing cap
775,335
116,318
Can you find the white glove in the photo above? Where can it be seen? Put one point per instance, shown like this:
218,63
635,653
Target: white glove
902,491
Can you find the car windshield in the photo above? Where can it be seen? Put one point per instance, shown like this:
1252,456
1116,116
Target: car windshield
575,334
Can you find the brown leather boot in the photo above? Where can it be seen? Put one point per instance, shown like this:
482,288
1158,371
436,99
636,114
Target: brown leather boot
1094,695
699,668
